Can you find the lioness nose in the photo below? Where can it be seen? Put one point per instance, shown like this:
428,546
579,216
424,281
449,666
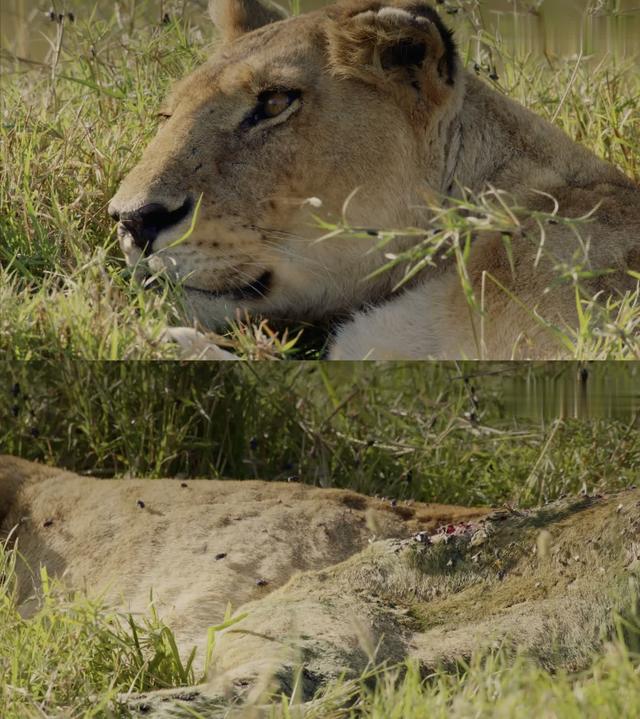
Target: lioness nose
148,221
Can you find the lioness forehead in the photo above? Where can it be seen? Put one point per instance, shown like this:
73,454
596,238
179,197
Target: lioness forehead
279,54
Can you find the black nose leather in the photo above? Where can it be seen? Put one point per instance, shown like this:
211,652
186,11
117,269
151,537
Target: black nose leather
148,221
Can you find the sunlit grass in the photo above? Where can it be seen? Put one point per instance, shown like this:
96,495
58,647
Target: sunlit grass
75,654
490,686
64,147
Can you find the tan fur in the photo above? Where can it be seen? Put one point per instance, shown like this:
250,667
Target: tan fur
94,534
384,136
548,582
235,19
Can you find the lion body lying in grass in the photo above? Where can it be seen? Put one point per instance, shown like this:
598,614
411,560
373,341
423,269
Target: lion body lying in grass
325,582
361,113
199,546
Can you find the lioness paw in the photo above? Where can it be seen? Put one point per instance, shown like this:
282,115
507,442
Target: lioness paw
196,345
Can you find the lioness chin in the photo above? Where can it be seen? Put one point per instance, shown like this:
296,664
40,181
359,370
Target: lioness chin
362,112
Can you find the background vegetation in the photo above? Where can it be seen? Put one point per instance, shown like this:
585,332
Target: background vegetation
448,432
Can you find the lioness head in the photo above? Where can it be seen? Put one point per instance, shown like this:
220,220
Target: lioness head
344,112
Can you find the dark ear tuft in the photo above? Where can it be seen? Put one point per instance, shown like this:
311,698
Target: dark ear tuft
448,65
406,53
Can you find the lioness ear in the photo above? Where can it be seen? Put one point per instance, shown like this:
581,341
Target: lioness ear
236,17
408,44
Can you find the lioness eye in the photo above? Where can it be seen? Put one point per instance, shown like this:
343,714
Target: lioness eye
271,103
276,103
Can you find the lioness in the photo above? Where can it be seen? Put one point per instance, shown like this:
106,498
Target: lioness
363,110
195,545
315,597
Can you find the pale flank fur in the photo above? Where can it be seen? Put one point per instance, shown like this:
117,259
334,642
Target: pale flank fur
374,138
95,534
322,582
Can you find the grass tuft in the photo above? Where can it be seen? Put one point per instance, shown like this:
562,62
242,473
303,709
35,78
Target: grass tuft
75,655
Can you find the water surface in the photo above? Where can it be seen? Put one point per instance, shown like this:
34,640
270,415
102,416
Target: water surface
552,28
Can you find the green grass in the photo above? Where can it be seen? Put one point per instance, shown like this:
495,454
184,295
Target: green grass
434,432
491,686
76,653
66,138
72,127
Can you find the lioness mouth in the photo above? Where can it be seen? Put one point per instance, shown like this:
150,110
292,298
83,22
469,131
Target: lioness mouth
253,291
